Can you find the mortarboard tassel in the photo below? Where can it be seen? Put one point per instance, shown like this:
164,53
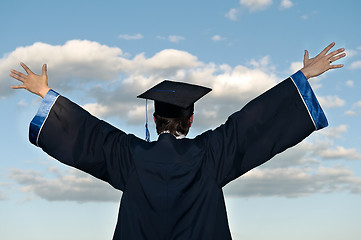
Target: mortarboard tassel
147,134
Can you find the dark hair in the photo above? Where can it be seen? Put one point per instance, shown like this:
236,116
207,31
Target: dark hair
175,126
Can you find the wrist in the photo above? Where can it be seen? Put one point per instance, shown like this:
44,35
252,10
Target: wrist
44,91
306,73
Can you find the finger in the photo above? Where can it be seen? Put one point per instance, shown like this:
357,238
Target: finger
18,87
336,66
44,69
335,58
334,53
17,77
20,74
328,48
27,70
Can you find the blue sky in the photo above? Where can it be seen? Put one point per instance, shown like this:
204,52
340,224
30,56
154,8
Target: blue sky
101,54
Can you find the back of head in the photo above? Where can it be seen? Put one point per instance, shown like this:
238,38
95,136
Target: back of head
175,126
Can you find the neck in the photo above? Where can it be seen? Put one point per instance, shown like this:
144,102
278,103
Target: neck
177,136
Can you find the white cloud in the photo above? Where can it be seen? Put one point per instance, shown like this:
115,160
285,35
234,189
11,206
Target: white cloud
161,37
97,109
351,53
2,194
175,38
357,104
23,103
218,38
355,109
297,156
340,153
351,113
232,14
350,83
262,63
331,101
241,82
77,59
131,37
334,132
295,66
326,149
286,4
355,65
309,15
256,5
112,80
172,38
166,60
294,182
71,185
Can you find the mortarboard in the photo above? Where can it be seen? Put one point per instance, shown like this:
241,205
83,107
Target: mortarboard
174,99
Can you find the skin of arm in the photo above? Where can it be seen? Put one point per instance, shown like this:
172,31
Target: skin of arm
312,67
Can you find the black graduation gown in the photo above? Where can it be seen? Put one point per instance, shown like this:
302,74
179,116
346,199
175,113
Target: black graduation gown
172,188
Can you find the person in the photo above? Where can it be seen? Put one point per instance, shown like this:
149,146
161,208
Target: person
172,187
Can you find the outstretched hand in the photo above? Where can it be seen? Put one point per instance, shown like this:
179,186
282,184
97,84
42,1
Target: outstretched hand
37,84
322,62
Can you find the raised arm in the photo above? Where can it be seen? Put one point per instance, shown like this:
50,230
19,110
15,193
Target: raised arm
37,84
274,121
73,136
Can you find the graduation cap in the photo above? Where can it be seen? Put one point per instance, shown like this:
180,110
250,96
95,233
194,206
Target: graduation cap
174,99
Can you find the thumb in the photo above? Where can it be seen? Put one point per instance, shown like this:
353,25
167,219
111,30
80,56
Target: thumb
44,70
306,57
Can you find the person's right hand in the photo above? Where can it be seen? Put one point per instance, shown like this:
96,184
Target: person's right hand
37,84
313,67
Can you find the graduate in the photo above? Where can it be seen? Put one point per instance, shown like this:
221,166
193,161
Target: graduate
172,187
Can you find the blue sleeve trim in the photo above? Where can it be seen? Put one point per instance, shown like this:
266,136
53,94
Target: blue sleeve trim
38,121
314,109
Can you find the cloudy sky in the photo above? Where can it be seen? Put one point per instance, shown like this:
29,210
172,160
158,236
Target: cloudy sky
102,54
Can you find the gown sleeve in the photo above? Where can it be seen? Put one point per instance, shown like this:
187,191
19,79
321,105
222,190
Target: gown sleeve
276,120
71,135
